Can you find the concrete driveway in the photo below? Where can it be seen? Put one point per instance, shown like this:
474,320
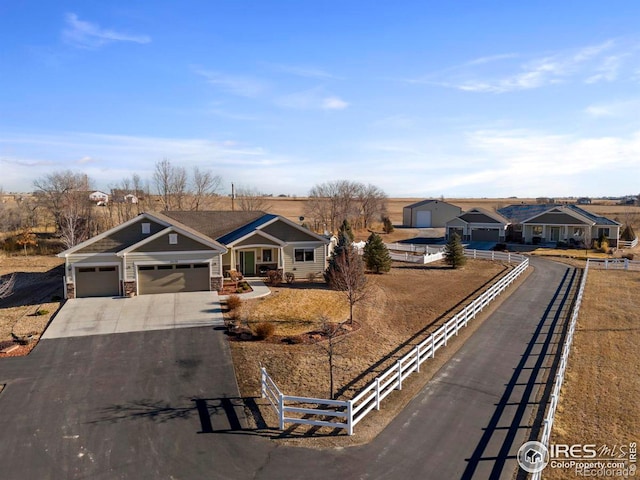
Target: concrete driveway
99,316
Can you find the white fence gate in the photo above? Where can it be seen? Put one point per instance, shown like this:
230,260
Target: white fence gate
347,413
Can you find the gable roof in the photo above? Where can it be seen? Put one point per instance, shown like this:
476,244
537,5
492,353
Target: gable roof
520,213
212,223
426,202
480,215
187,232
113,230
246,229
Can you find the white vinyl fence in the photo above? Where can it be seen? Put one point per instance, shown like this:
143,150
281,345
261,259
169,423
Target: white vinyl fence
628,244
615,264
347,413
555,394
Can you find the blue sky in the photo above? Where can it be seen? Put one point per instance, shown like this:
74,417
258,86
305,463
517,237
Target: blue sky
421,98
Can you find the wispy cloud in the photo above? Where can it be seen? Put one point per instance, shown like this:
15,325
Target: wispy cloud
243,86
590,64
83,34
620,108
313,99
301,70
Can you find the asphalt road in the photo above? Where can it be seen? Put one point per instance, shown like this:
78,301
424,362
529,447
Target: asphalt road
164,405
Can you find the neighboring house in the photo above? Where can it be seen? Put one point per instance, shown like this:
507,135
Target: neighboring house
188,251
561,223
99,197
584,201
478,225
429,214
126,196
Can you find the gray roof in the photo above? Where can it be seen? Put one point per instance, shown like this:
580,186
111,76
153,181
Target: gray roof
425,202
520,213
214,224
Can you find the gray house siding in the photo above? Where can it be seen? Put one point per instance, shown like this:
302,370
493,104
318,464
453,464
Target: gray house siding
302,268
123,238
284,231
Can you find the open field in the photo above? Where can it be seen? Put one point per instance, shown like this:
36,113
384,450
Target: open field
404,306
599,399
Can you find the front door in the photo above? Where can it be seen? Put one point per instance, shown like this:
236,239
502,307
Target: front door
554,234
248,263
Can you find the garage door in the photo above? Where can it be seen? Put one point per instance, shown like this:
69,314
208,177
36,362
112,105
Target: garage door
456,230
173,278
423,219
97,282
485,235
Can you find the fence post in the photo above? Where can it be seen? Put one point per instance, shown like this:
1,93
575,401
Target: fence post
493,255
418,358
350,417
509,257
377,393
399,375
263,380
281,412
626,264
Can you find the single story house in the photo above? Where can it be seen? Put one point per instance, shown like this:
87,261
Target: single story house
478,225
560,223
429,214
98,196
570,224
189,251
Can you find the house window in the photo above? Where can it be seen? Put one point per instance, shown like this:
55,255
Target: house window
304,255
603,232
173,239
537,230
578,232
267,255
146,228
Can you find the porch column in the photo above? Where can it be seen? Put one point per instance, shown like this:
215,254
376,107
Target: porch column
281,258
232,258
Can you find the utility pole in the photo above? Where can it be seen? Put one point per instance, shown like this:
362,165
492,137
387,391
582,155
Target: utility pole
233,197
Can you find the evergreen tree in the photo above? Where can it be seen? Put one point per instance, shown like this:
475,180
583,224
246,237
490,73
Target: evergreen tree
376,254
387,226
346,231
454,252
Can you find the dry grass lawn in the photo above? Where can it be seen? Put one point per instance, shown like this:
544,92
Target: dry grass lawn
296,310
36,283
599,399
404,306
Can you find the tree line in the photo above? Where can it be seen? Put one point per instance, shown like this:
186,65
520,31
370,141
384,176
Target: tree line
61,201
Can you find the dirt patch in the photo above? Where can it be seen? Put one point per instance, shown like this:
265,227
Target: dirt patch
407,304
36,297
599,399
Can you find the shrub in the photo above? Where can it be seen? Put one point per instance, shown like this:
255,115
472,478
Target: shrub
311,276
274,277
289,277
263,330
500,247
233,302
387,226
42,311
604,245
628,256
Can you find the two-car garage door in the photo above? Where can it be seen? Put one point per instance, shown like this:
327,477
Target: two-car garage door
485,235
192,277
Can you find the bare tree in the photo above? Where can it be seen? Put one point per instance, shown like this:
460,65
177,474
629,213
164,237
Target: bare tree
204,186
332,202
65,195
251,200
171,184
346,273
373,204
334,337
